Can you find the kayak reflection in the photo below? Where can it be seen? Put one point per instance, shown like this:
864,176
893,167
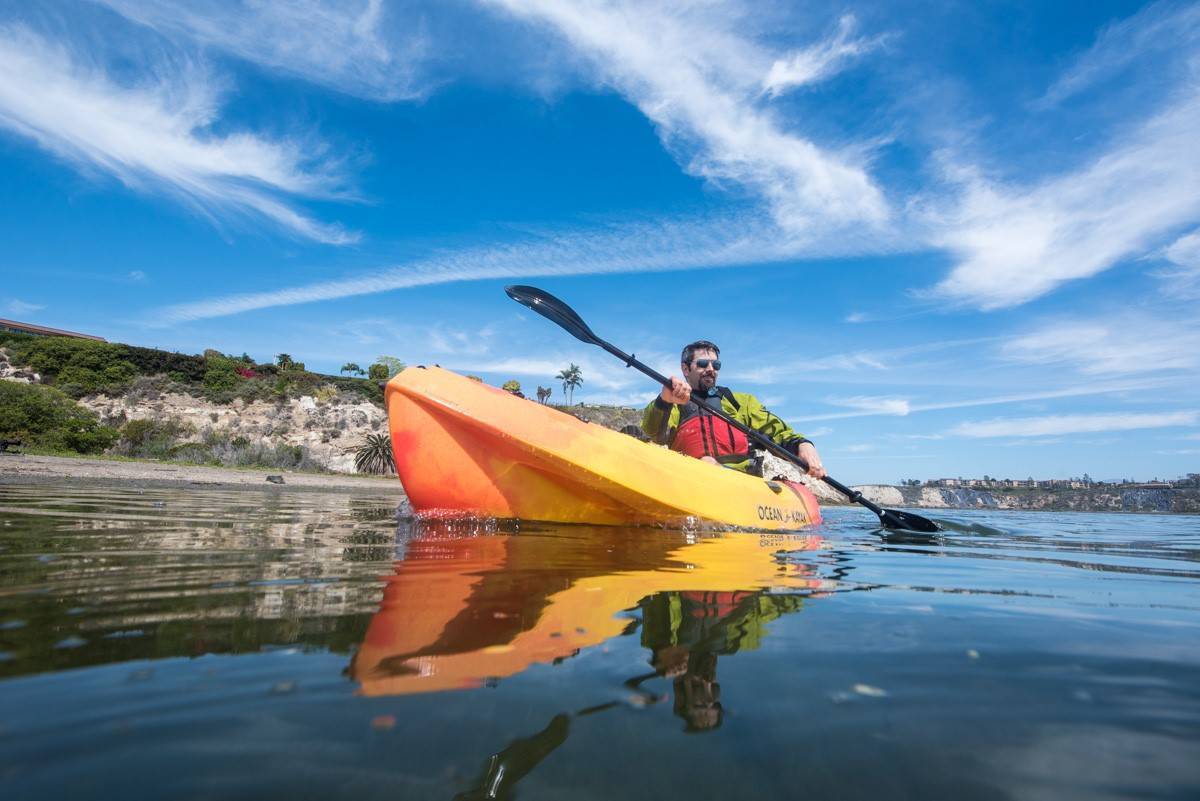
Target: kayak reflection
464,610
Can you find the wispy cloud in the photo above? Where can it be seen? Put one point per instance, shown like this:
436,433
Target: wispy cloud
157,135
1161,28
1055,425
1120,345
903,407
819,61
850,362
873,405
620,248
342,45
1182,279
136,275
688,70
18,306
1018,243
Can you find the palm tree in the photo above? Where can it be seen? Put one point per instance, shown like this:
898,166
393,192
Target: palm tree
374,455
284,361
571,378
351,367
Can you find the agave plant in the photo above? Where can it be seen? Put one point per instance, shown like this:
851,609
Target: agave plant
374,455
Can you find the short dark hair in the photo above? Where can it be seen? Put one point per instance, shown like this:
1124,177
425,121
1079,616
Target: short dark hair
689,351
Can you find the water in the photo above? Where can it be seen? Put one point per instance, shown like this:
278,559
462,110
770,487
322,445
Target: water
209,644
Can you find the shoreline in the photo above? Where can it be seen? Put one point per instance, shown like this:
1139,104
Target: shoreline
31,470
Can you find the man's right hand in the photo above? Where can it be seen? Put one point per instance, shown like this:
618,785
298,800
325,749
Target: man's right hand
680,392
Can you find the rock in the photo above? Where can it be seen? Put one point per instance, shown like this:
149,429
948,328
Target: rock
275,479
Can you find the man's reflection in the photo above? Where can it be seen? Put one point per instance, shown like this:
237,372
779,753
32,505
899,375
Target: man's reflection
687,631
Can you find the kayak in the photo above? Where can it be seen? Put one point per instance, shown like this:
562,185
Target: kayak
464,449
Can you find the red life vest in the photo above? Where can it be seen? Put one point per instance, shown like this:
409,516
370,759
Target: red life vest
701,433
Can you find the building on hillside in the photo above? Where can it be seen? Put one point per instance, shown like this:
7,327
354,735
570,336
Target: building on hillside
42,331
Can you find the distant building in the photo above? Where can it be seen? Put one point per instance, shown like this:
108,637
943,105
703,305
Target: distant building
42,331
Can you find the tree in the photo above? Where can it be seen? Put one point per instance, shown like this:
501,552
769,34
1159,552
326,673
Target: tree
374,455
378,372
571,378
543,394
284,360
352,368
513,386
392,364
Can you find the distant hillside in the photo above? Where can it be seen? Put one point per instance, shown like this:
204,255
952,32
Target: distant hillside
99,397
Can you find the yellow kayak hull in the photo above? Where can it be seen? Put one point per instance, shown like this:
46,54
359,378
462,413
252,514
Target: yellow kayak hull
466,449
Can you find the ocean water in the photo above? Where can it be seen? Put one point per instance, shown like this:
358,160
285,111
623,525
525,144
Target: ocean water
210,644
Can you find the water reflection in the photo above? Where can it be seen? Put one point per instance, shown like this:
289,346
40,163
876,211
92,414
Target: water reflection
461,611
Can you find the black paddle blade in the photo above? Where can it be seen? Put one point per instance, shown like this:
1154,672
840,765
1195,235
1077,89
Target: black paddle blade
553,310
906,521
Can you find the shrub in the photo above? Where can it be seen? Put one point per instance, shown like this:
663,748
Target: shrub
151,438
374,455
44,418
220,373
377,372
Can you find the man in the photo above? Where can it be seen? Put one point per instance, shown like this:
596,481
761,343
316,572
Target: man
681,417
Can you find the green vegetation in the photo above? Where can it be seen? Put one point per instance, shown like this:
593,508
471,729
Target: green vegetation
374,455
171,440
571,378
392,364
43,418
79,367
512,385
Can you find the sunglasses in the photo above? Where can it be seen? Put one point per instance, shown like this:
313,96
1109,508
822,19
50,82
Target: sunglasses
704,363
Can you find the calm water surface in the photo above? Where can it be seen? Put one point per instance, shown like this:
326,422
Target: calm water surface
206,644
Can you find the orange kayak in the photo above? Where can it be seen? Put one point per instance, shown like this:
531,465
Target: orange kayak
466,449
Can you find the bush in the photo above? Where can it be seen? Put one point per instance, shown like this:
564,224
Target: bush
374,455
44,418
377,372
151,438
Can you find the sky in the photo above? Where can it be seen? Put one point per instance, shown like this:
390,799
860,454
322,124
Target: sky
939,238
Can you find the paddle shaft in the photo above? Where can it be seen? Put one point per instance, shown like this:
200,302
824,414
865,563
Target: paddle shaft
770,445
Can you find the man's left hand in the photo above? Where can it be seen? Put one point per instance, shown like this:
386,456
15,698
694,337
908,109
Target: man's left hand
808,452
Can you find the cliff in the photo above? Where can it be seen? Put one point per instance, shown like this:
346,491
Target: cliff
1100,498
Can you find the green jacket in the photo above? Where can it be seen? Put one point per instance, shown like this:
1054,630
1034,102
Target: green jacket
660,420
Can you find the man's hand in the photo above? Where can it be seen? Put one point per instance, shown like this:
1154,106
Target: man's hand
808,452
680,392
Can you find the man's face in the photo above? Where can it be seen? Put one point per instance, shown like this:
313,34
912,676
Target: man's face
701,377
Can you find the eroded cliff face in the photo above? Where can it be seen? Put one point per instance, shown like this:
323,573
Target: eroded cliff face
329,429
1106,498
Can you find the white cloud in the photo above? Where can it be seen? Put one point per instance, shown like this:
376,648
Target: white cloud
343,45
1160,28
1016,244
873,405
1123,345
820,61
1182,279
136,275
1055,425
1185,252
857,317
688,69
653,247
156,135
18,306
1024,397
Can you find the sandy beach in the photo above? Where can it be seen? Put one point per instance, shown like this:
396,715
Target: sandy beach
49,470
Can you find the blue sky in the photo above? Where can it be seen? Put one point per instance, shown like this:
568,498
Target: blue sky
942,239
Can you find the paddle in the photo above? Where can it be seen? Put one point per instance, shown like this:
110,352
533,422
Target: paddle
565,317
